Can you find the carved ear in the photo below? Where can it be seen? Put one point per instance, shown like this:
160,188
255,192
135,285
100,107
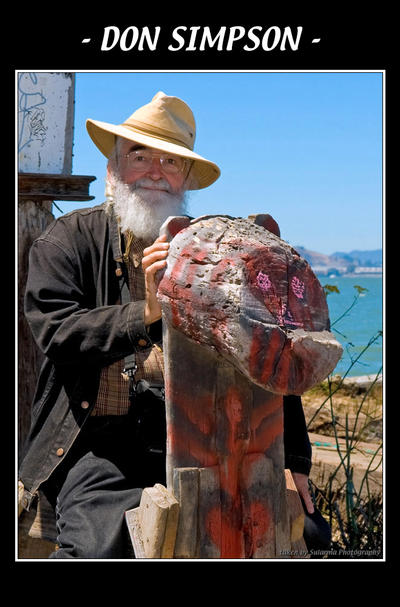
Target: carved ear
174,224
267,222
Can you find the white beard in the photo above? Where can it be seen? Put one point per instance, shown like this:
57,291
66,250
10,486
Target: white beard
144,211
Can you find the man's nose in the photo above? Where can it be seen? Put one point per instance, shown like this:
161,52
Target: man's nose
154,171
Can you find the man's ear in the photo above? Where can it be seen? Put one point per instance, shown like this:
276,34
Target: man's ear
109,189
110,174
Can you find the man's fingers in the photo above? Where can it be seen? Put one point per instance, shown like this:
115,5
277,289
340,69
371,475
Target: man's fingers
156,246
308,503
154,259
161,240
154,267
301,482
151,258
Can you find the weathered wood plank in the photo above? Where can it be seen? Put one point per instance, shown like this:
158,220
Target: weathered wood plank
296,517
259,515
54,186
210,531
186,491
20,496
153,524
171,526
158,517
135,532
153,513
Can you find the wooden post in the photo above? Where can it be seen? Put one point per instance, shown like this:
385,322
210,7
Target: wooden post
45,138
45,141
186,491
33,217
35,197
230,431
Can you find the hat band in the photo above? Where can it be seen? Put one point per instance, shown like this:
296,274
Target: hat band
162,134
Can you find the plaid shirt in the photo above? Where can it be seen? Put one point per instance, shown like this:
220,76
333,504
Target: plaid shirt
113,396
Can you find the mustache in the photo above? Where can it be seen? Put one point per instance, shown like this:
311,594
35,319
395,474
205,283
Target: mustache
162,185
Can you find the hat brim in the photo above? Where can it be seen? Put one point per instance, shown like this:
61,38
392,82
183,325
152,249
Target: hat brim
103,135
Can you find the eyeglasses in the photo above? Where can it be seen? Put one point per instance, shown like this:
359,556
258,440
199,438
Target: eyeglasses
141,161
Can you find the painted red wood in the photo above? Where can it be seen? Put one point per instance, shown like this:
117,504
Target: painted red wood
245,321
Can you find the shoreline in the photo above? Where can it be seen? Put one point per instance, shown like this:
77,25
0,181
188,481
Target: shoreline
352,275
358,379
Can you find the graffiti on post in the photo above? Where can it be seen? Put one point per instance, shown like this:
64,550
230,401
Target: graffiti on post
31,123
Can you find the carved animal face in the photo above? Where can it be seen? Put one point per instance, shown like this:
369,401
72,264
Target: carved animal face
236,287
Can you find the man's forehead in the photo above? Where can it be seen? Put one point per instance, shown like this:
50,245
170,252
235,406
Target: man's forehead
127,145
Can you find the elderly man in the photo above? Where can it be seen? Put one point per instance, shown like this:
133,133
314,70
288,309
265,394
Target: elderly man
80,453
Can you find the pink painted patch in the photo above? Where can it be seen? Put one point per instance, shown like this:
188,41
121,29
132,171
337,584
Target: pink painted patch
263,281
297,287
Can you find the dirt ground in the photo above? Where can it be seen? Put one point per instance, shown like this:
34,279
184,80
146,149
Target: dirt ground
354,405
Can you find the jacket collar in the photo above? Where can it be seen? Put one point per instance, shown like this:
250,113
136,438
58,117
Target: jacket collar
115,236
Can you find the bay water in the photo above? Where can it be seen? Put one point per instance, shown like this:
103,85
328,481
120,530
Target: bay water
356,315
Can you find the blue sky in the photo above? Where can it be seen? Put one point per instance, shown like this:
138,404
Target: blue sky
305,147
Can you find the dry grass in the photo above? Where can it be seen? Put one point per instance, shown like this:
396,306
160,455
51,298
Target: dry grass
349,492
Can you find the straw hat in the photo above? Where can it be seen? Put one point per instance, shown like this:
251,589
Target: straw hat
166,124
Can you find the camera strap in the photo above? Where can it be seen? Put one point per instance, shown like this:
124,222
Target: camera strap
130,365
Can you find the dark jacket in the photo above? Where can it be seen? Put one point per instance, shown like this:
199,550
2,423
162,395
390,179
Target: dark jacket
70,304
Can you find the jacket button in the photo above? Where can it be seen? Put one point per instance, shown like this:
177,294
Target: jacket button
85,404
60,452
142,342
118,272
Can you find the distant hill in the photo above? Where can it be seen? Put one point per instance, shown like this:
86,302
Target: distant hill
319,259
341,262
364,258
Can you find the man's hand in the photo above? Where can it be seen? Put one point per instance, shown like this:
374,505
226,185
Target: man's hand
154,259
301,482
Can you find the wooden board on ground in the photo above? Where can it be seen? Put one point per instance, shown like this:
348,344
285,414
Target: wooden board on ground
152,525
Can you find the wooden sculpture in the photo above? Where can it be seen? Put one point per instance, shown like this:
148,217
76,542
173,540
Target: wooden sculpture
245,321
